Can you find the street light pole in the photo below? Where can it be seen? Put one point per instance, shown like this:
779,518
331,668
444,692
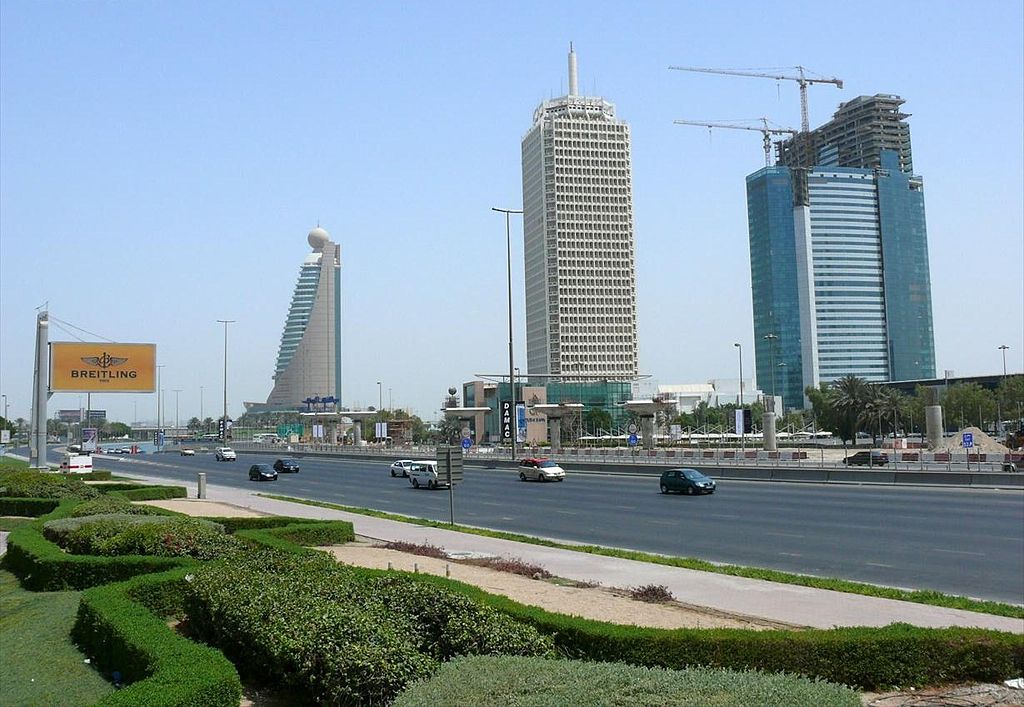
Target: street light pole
159,417
511,365
742,425
999,398
225,322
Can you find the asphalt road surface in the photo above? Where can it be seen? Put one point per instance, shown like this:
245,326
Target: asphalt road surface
955,540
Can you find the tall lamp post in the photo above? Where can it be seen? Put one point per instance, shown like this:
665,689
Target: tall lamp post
999,398
742,427
511,365
176,391
159,417
225,322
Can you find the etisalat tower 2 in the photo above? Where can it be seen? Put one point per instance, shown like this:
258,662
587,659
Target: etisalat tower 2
309,357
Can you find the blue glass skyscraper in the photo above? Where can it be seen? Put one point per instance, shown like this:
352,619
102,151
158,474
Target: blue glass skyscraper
839,256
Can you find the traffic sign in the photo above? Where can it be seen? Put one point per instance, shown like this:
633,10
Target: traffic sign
632,440
968,440
467,443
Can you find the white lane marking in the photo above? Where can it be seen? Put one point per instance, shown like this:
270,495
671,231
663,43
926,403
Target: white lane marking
958,552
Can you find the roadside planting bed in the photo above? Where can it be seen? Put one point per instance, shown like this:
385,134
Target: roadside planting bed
290,616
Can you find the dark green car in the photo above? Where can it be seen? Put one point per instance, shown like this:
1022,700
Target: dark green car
688,481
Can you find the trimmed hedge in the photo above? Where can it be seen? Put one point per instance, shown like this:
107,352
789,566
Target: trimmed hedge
43,567
866,658
159,667
32,483
139,492
30,507
338,636
487,680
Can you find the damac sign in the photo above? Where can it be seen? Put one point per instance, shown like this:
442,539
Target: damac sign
125,368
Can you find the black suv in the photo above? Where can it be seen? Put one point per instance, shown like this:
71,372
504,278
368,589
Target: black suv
867,459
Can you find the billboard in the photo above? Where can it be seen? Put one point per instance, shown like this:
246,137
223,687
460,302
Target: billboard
102,367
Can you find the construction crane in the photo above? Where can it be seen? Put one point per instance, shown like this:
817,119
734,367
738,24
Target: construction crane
801,78
764,130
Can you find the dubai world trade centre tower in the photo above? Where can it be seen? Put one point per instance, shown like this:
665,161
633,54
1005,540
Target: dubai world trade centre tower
578,230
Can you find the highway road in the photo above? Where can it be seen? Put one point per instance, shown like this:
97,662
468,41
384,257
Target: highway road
955,540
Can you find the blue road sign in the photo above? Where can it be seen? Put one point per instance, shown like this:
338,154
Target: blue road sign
467,443
632,440
968,440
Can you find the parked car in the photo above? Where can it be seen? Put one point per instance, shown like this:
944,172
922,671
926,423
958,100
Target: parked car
540,470
867,459
424,474
401,468
225,454
286,466
188,452
688,481
262,472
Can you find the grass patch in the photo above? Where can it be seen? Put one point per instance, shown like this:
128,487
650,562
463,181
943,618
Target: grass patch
927,596
9,523
41,666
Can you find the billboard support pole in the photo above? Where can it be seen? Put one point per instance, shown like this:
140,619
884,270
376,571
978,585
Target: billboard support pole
37,447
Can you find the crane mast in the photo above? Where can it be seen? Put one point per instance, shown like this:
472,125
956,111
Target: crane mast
800,77
765,130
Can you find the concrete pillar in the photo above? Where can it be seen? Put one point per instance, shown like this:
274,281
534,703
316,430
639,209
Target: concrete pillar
768,431
933,426
647,430
555,434
357,432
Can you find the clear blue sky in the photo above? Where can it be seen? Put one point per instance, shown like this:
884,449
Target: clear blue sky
162,162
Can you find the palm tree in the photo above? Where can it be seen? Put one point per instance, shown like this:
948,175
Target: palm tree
847,397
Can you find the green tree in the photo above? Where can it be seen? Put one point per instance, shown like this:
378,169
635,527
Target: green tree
967,404
847,398
596,420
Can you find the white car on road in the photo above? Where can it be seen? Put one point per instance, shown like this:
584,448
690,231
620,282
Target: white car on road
401,467
225,454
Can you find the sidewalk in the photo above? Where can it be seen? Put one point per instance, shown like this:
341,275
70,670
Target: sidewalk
785,603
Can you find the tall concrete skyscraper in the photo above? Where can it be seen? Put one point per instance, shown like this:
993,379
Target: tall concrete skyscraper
578,229
309,358
839,255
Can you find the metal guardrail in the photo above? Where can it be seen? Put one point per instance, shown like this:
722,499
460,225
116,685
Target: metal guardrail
754,466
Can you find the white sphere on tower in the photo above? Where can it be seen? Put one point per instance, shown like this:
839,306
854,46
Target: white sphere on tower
318,238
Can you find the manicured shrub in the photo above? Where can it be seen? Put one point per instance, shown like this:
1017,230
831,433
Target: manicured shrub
39,484
124,534
120,631
30,507
488,680
41,565
337,635
112,503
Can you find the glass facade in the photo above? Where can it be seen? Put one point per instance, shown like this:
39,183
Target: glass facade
774,284
840,277
906,274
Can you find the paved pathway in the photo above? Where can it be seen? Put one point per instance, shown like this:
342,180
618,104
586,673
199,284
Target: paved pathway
777,602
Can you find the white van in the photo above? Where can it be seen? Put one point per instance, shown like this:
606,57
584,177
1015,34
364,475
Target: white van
423,473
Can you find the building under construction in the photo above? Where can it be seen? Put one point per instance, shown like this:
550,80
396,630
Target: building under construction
858,132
